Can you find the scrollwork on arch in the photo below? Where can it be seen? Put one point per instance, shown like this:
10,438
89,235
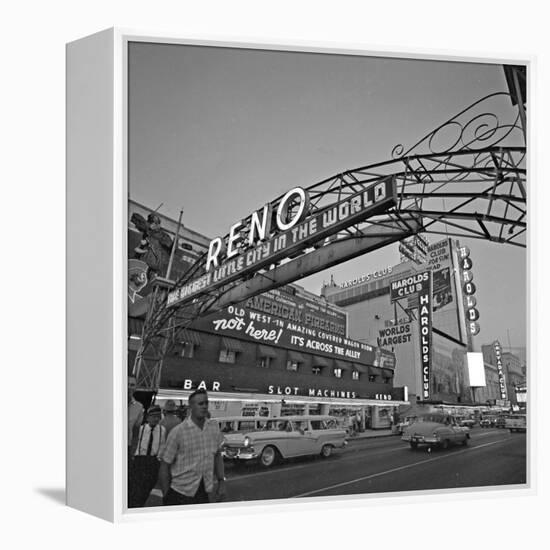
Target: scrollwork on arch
488,122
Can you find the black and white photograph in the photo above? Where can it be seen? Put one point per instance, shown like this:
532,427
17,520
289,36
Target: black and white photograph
327,274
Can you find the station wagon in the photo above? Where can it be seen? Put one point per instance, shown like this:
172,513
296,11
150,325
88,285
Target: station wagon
285,437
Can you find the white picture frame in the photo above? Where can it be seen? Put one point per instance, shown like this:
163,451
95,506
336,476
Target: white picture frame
97,220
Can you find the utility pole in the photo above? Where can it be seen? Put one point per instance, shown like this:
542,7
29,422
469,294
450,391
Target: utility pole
174,246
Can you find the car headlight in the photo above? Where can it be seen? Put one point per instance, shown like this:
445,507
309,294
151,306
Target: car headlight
436,435
246,442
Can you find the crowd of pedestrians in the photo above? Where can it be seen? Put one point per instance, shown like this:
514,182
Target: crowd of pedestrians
182,456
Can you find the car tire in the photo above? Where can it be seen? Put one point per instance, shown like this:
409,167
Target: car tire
326,451
413,444
269,456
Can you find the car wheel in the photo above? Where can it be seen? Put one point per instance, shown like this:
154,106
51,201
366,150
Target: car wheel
445,444
268,456
413,444
326,451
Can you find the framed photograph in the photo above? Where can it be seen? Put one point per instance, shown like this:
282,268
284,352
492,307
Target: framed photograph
293,273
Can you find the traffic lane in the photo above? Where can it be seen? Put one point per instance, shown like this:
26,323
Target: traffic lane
496,462
371,458
235,469
368,456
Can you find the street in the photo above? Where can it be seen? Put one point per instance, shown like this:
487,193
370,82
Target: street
382,465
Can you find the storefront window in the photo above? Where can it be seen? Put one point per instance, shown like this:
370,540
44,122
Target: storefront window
290,409
337,373
292,365
355,375
316,370
264,362
372,378
227,356
187,350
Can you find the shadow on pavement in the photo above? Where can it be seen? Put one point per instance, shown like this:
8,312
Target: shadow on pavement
57,494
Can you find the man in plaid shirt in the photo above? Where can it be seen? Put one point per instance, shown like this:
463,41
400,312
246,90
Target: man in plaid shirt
191,470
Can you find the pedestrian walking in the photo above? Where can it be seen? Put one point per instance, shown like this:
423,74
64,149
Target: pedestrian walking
191,470
150,445
135,416
171,418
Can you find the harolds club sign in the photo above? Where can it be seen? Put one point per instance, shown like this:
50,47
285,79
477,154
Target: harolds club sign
419,286
244,322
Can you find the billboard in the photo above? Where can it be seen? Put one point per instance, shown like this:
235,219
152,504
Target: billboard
419,287
292,304
301,335
449,370
476,370
267,237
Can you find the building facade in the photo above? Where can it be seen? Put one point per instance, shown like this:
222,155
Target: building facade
394,324
510,378
285,351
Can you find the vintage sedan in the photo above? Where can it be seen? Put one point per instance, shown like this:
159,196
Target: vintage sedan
436,430
467,421
286,437
488,421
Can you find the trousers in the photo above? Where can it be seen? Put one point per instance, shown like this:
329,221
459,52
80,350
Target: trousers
142,477
173,498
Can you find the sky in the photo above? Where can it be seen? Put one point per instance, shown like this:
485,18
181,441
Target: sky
222,131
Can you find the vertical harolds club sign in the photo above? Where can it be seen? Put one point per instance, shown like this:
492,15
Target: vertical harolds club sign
420,284
425,325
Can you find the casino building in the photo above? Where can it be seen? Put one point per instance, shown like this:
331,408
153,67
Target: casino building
287,351
394,325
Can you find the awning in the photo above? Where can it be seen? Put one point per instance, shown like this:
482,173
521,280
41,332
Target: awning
189,337
267,351
388,373
361,368
296,357
320,362
135,326
375,371
344,365
230,344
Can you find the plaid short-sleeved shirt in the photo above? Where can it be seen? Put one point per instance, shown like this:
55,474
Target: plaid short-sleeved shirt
190,452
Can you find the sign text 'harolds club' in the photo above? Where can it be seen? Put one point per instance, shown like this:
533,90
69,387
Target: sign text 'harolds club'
420,286
425,324
280,230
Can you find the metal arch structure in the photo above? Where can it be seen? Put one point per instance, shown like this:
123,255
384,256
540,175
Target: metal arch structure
466,178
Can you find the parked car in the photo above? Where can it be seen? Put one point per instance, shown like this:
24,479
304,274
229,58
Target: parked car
286,437
516,423
488,422
501,421
466,421
436,430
